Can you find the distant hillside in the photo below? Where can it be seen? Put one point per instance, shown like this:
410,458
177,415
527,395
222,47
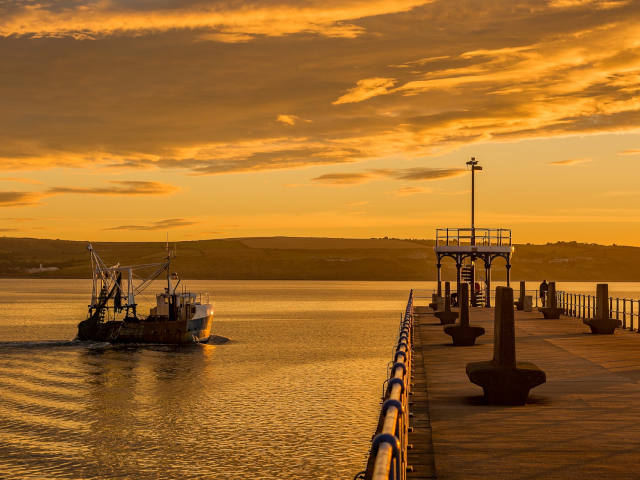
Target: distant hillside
314,259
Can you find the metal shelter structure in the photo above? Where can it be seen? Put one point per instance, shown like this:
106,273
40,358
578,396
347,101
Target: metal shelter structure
463,244
467,245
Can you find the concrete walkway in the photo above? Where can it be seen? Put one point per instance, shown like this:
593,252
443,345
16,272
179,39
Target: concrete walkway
583,423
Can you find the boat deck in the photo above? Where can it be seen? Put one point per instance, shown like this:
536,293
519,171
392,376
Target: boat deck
584,422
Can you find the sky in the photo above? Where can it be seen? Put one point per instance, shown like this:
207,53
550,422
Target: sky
130,120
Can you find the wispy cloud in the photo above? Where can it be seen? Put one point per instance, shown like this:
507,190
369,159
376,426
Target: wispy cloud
634,151
425,173
167,224
19,199
365,89
21,180
413,174
343,178
570,162
230,22
287,119
406,191
119,187
532,69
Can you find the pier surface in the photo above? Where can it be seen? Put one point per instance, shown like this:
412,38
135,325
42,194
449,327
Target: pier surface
584,422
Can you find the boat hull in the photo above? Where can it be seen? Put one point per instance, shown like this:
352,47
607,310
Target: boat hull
150,330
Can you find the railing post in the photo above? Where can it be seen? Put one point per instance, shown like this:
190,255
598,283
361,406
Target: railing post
624,313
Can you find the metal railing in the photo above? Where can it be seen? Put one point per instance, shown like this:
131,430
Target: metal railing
388,454
584,306
426,294
500,237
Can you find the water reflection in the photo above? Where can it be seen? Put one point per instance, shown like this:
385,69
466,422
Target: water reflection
294,393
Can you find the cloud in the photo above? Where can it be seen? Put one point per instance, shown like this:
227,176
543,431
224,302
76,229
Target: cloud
570,162
288,119
424,173
21,180
630,152
365,89
19,199
406,191
343,178
119,187
230,21
530,70
167,224
413,174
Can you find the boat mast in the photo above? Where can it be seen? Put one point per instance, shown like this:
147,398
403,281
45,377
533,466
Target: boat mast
168,267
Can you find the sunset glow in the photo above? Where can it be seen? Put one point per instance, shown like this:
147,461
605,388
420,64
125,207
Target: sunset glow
123,120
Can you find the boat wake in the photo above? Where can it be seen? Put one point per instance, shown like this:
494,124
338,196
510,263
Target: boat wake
217,340
42,344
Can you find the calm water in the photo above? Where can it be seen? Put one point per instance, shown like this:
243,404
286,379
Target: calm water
294,394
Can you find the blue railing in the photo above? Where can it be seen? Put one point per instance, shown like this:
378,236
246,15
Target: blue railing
388,454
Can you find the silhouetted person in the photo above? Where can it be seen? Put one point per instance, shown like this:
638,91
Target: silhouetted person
544,288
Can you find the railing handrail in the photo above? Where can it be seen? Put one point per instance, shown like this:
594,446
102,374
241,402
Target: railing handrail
389,446
481,236
583,305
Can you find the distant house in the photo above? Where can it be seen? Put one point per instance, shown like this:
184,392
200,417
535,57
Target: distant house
42,269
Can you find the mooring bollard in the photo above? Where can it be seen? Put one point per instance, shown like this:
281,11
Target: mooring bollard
437,302
446,316
551,310
503,380
602,323
463,334
520,302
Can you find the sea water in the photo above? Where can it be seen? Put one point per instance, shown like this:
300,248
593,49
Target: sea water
294,393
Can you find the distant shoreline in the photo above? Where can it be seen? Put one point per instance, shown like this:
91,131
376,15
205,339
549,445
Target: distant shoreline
312,258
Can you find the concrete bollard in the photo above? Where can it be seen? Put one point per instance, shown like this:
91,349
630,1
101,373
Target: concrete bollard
464,335
551,309
446,316
602,324
437,302
503,380
520,302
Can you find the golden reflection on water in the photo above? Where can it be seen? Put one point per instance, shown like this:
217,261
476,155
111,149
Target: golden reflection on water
294,393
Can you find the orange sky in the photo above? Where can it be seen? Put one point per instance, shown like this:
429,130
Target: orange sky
123,120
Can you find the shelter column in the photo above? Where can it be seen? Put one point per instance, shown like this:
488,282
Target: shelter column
439,265
458,268
508,274
487,282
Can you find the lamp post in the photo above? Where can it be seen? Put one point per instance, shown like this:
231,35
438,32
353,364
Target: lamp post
473,163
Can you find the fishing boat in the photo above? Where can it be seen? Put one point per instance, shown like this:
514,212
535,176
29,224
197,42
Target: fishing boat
179,317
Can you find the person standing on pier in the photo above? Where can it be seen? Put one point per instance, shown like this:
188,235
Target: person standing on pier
544,288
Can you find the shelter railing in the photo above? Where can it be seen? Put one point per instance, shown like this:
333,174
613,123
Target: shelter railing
388,453
500,237
584,306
